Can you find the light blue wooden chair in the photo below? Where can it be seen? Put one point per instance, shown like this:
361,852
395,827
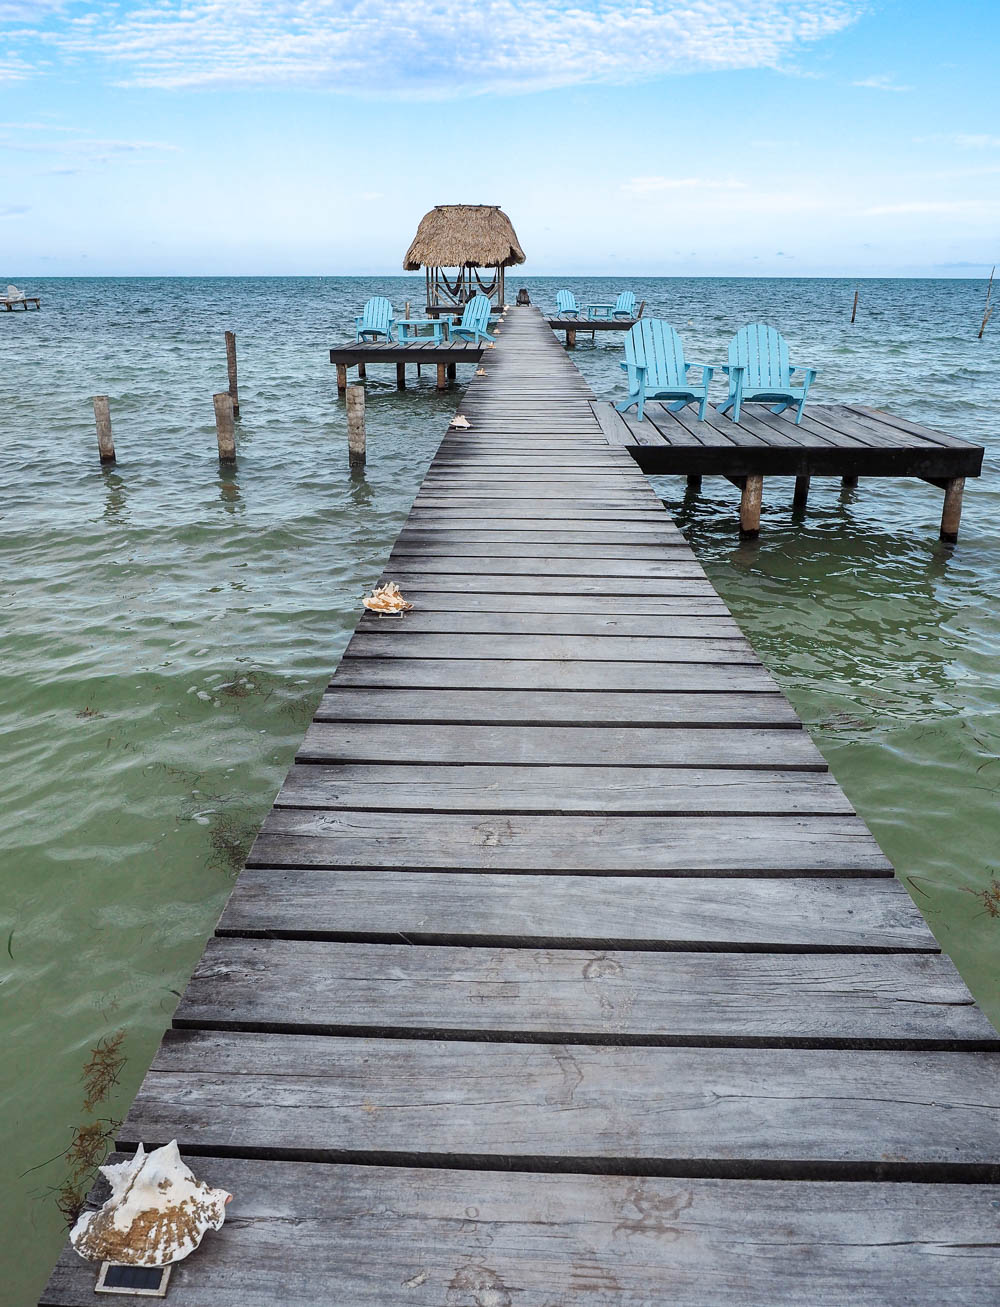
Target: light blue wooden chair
657,369
475,321
759,370
566,305
375,319
623,307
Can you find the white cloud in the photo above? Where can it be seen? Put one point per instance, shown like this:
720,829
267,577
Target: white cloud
881,82
443,48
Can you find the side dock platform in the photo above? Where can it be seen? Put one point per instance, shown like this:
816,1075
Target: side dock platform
562,971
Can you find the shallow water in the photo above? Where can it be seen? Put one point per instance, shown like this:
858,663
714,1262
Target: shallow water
166,629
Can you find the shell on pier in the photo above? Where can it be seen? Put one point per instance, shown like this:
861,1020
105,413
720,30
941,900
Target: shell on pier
157,1212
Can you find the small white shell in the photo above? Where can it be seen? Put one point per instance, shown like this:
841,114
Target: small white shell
157,1212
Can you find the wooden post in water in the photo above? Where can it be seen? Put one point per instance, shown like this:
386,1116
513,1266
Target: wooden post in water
951,516
356,426
987,307
854,310
224,430
750,500
801,495
694,483
571,337
102,415
362,372
341,378
400,376
234,388
452,371
442,383
849,482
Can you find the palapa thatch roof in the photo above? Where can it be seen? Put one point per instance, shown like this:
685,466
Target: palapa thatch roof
464,235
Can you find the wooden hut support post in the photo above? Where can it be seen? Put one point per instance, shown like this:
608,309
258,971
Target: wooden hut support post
753,488
234,386
356,426
102,416
224,430
951,515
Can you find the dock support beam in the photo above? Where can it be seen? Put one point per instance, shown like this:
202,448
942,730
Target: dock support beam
102,416
694,484
801,496
442,382
400,376
753,489
341,378
571,337
362,372
356,439
849,482
452,371
224,431
952,513
234,386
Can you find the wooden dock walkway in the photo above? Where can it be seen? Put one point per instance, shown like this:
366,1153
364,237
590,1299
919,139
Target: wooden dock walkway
562,971
841,440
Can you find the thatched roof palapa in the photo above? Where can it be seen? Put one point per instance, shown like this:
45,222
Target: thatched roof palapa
464,235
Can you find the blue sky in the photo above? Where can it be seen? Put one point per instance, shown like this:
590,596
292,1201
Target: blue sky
666,137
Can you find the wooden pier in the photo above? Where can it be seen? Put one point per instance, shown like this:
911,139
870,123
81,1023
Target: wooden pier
21,302
562,970
570,326
444,356
849,441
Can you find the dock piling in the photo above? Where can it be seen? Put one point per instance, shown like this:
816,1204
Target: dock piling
341,378
224,430
234,388
750,500
102,416
801,494
951,514
442,381
854,310
401,376
356,426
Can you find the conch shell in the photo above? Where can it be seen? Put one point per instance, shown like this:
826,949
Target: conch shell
461,421
480,372
157,1212
386,599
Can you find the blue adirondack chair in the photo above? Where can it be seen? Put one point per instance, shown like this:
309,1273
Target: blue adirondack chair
566,305
657,369
623,307
375,319
475,321
759,370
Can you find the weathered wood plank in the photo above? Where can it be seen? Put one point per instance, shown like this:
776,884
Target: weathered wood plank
509,674
393,640
538,707
371,1236
575,996
649,626
797,914
652,790
801,1113
645,846
436,601
787,748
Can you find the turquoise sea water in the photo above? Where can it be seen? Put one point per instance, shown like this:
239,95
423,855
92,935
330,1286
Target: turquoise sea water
166,629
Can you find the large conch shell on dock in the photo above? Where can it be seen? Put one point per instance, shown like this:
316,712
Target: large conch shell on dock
157,1212
386,599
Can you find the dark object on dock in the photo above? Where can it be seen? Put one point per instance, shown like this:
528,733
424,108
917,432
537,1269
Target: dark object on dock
453,242
234,389
102,416
523,299
445,355
224,430
562,970
841,440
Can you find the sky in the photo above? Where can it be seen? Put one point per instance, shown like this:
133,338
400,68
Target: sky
659,138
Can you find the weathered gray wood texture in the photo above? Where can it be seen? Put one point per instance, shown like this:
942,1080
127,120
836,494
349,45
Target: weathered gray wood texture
558,883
